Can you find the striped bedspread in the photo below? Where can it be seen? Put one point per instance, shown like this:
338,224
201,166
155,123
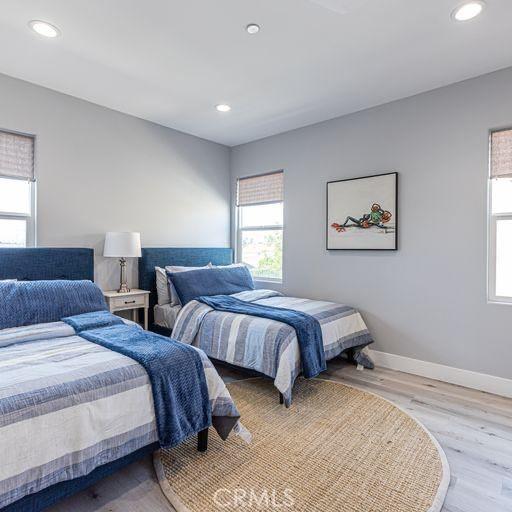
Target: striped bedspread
268,346
68,406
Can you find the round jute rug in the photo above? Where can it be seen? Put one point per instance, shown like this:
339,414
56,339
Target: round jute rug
336,449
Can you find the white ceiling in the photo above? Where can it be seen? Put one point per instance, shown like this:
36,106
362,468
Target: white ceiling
172,61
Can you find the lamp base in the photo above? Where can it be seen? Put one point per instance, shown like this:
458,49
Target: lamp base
123,288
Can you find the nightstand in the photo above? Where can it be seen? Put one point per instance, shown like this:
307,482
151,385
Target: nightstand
132,300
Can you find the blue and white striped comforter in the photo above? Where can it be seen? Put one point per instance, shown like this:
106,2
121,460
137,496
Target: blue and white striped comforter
268,346
68,406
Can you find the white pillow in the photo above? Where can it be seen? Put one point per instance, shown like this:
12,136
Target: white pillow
162,290
229,266
165,291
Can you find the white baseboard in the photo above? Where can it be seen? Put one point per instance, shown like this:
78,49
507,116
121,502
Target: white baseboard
466,378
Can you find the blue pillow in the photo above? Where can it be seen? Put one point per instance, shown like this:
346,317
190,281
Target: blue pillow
37,302
211,281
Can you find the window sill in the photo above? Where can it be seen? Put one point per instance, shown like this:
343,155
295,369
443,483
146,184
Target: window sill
500,302
268,280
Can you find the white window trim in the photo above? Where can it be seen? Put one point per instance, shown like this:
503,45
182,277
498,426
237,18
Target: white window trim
31,236
238,249
492,219
491,287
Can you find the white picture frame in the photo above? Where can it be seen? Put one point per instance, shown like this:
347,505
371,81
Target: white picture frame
362,213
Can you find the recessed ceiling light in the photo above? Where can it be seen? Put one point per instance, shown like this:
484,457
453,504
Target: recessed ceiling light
44,28
468,11
252,28
223,107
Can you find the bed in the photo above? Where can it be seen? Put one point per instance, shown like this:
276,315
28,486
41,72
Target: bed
52,377
264,345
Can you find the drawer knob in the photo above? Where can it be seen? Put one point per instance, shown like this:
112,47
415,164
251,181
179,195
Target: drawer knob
129,302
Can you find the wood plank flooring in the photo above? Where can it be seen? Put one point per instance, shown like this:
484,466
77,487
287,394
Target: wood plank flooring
474,429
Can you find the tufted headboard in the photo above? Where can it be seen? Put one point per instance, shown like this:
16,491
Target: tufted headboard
187,257
46,263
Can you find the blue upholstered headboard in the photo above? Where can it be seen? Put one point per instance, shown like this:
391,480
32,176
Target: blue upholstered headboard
187,257
46,263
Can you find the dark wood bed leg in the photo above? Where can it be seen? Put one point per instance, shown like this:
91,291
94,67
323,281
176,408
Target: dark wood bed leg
202,440
281,398
350,355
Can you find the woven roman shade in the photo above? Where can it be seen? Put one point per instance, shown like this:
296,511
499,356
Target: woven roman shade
16,156
501,154
262,189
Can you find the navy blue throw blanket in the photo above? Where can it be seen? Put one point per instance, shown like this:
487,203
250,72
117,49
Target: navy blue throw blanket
180,392
36,302
307,327
92,320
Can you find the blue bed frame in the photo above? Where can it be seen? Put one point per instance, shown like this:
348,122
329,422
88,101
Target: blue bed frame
57,263
187,257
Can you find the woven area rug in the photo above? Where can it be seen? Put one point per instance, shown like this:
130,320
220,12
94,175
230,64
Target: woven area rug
336,449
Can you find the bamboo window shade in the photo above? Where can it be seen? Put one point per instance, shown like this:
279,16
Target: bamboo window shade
261,189
501,154
16,156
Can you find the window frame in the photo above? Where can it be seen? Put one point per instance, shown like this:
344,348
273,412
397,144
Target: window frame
31,221
275,227
492,222
29,218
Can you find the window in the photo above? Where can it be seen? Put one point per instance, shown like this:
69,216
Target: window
17,190
260,225
500,221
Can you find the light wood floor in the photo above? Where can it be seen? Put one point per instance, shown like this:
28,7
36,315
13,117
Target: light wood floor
474,429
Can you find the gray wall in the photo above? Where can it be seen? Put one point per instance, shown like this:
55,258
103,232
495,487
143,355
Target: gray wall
99,170
428,300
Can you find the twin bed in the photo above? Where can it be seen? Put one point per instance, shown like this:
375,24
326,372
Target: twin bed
252,342
78,394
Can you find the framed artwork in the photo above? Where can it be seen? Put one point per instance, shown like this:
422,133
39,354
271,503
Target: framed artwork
362,213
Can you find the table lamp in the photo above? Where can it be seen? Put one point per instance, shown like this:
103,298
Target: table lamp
122,246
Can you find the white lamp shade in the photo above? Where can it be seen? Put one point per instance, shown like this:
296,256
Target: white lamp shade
122,245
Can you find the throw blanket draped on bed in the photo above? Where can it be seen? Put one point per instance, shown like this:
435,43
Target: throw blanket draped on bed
93,320
68,406
175,370
307,327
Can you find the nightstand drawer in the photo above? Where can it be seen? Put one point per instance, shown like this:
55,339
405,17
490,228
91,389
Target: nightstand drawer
128,302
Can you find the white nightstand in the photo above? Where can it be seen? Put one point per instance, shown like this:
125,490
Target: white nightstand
134,300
